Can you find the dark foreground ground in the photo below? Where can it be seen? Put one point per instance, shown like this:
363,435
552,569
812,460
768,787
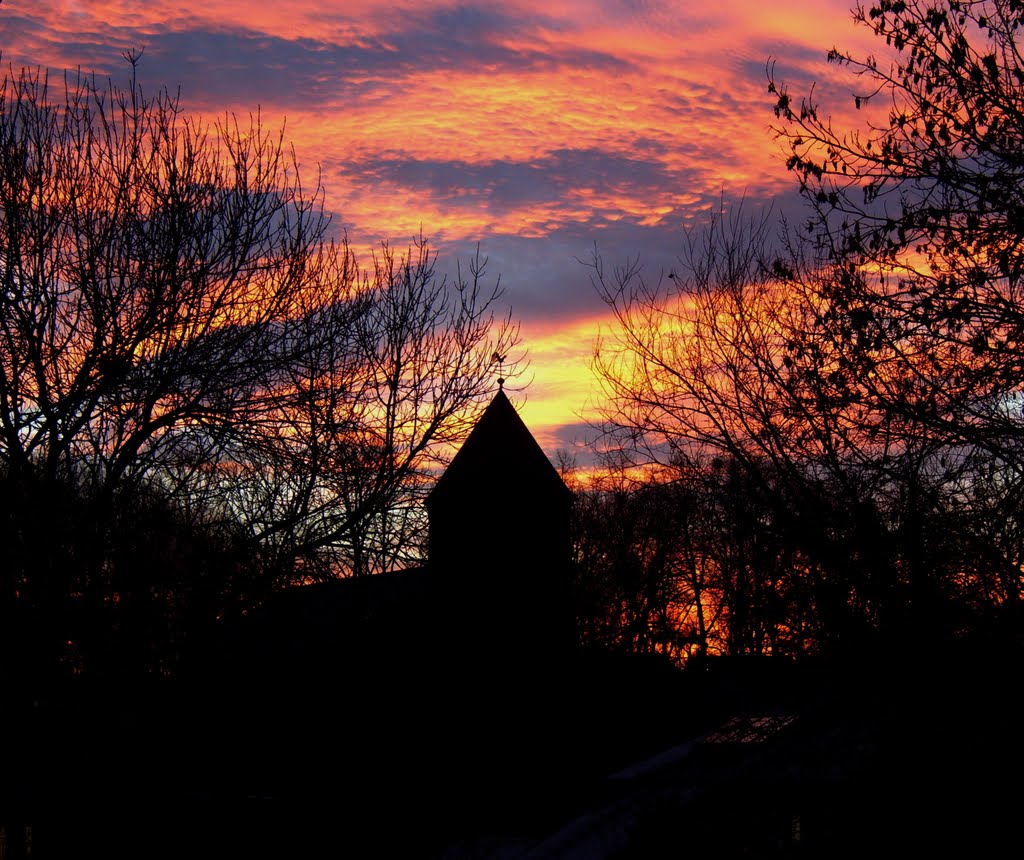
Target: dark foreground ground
590,758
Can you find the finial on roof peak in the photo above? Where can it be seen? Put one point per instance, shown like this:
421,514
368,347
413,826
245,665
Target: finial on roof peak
496,358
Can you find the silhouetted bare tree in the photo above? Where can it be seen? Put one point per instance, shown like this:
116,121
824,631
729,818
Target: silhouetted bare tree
177,324
917,219
854,504
685,562
865,379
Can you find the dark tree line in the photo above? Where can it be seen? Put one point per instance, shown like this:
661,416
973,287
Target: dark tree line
857,376
203,395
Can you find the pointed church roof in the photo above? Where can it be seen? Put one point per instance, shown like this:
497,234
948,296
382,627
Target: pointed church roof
501,452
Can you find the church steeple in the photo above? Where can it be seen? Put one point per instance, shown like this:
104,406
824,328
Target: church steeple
500,457
500,531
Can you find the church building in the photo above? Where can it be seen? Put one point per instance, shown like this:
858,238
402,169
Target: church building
495,589
500,537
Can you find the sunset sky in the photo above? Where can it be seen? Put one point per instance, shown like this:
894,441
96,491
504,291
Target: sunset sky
536,129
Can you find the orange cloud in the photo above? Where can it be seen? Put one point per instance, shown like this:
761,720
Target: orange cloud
533,120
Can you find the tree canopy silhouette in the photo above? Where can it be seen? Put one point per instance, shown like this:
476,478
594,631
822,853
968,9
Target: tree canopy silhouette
921,215
863,372
181,331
